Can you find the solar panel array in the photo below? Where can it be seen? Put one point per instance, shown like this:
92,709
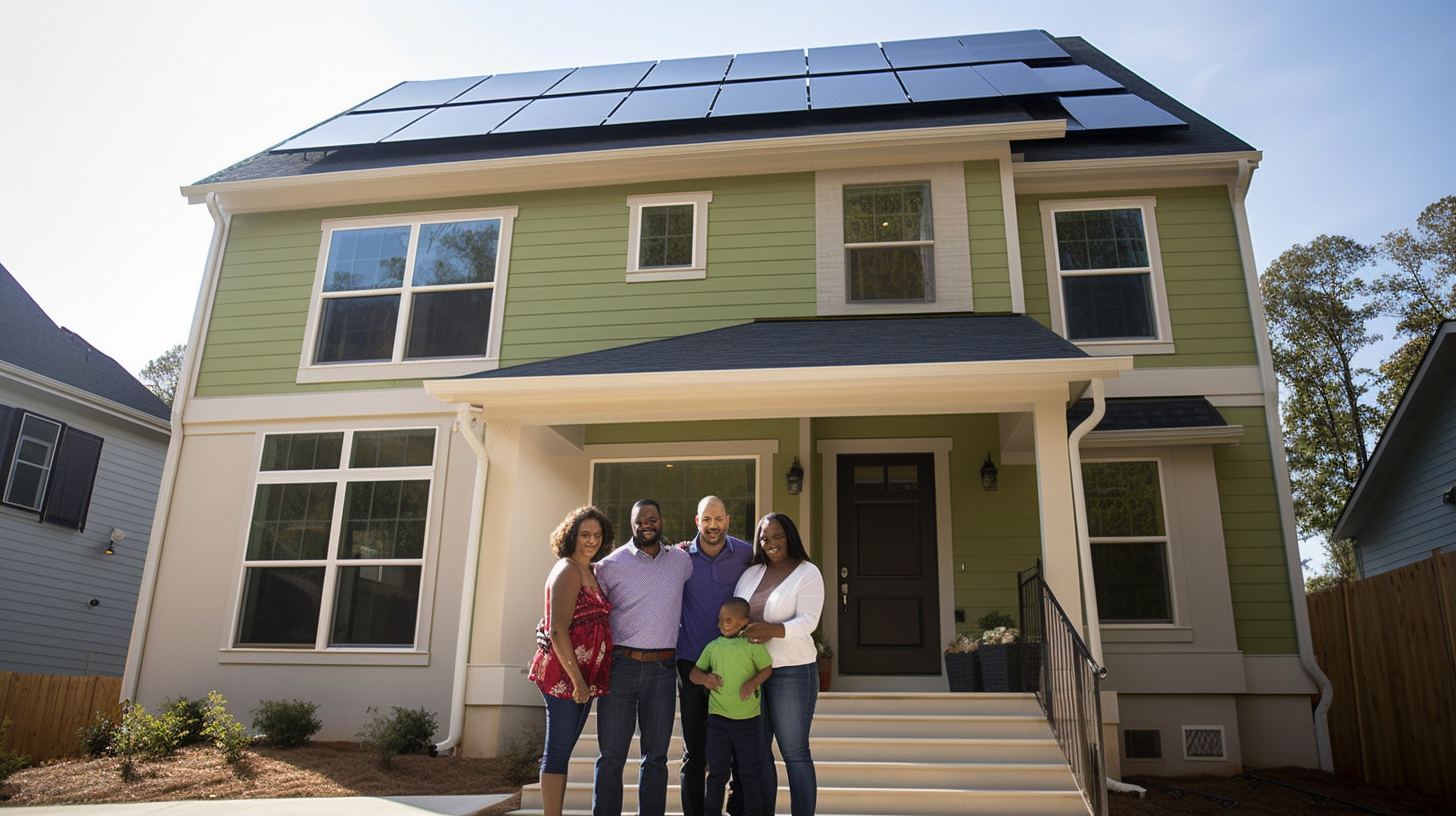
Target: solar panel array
1010,65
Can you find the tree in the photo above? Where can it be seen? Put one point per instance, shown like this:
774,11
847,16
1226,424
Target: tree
1420,292
160,375
1318,309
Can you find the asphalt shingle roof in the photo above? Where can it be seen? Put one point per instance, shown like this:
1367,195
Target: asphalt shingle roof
1131,414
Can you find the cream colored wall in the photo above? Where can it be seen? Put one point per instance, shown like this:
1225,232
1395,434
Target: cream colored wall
1168,714
1275,731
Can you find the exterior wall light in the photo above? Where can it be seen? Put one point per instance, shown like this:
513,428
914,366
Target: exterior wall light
988,474
795,478
117,534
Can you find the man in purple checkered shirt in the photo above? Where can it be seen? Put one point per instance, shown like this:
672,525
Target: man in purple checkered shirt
644,582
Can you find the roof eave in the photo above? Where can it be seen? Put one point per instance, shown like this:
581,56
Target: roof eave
1132,172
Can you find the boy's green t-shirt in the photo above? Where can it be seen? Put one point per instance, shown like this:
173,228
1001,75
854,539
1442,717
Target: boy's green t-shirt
736,661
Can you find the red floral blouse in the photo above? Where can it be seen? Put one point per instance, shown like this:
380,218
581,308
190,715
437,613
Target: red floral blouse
592,637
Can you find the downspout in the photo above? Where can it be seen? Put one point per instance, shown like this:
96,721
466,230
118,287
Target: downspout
1239,192
471,428
1079,506
136,650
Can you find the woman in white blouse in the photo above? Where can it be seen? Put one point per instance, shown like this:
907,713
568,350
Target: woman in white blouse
785,593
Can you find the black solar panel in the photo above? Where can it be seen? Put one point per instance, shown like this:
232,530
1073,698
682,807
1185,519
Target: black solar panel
938,84
595,78
1013,79
843,59
458,120
1012,45
665,104
420,94
1110,111
927,53
768,65
527,85
1073,78
555,112
687,72
767,96
354,129
855,90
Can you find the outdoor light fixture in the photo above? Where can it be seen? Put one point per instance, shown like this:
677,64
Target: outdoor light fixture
117,534
988,474
795,477
1449,497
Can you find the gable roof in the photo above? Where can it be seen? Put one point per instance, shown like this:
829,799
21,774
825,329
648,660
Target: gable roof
979,79
30,340
1430,385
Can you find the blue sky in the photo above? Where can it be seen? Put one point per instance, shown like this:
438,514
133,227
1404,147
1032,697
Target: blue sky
110,107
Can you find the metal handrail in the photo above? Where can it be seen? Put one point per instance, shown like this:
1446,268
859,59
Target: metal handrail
1068,684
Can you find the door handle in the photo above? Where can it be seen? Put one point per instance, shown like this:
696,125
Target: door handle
844,596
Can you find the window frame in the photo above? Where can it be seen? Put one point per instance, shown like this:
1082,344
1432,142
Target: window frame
69,475
698,269
398,367
1171,570
342,477
1162,341
951,272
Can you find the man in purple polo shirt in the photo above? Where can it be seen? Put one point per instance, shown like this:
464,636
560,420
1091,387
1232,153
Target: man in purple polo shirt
719,560
644,581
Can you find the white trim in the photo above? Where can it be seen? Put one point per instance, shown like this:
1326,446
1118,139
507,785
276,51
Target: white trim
1222,743
89,399
1212,435
1134,173
290,409
1157,288
1013,235
940,447
399,368
950,228
1212,382
696,270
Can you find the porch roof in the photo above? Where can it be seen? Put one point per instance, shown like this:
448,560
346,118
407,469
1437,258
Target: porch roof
797,368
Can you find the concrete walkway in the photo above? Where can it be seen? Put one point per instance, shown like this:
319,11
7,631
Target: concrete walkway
322,806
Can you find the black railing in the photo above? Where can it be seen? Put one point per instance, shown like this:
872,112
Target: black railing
1067,684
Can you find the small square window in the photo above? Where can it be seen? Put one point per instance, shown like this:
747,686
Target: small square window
1142,743
668,236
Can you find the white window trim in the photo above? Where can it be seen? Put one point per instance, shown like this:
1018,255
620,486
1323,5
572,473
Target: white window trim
47,469
762,451
321,652
698,269
1178,629
950,224
311,372
1163,343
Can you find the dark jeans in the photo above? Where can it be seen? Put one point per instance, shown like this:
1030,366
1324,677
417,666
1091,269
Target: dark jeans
641,697
691,779
734,744
789,695
565,719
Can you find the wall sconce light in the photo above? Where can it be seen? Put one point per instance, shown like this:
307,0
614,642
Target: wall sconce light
1449,497
117,534
988,474
795,477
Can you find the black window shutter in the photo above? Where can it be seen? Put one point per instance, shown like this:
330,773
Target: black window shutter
73,474
9,429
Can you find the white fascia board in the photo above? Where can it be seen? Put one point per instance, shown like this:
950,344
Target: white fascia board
80,395
215,413
619,166
929,388
1084,175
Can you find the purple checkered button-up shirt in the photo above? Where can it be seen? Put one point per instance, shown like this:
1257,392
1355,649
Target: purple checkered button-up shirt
646,594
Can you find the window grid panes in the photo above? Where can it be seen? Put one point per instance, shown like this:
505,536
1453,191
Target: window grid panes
1127,527
889,242
1104,260
408,292
666,239
336,551
677,485
30,467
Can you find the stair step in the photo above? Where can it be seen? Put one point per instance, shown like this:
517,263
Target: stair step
865,801
1053,776
899,749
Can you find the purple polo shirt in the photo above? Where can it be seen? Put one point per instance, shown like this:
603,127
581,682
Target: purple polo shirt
713,582
646,594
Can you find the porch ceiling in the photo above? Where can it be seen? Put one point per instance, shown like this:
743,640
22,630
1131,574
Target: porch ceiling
795,368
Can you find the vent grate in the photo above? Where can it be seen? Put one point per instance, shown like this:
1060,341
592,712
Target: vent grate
1203,742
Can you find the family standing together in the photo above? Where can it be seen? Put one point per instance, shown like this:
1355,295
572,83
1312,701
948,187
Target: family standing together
717,628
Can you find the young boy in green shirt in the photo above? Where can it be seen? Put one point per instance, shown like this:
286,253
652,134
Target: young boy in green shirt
732,669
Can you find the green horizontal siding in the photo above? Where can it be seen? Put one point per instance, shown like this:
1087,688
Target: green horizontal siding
986,216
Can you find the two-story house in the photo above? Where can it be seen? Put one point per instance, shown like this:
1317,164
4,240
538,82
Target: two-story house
990,299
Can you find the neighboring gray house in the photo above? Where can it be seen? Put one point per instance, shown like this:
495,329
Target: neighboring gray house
1404,505
82,444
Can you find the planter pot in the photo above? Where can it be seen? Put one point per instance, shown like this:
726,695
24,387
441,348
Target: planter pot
963,671
826,671
1000,666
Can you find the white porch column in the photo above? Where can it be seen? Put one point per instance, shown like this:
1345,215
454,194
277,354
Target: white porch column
1060,565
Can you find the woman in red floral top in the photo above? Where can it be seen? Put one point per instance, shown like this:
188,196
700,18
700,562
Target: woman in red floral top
574,644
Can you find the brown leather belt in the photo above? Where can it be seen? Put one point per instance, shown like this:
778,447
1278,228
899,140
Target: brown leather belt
647,656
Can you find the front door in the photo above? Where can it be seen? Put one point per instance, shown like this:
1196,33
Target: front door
887,591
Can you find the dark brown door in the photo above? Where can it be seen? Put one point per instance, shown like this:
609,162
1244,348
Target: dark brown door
887,590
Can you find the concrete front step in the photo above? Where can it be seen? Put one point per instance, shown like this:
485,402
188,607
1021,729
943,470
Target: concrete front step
899,774
863,801
1042,749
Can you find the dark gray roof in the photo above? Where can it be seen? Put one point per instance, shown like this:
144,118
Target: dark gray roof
1142,413
30,340
1014,103
817,342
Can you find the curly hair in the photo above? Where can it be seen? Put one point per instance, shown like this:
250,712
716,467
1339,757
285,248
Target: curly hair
563,538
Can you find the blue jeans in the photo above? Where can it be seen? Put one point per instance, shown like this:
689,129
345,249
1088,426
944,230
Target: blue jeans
565,719
733,745
643,696
789,695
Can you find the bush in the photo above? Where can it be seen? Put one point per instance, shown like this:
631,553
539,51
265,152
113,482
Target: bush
995,620
285,723
144,736
223,729
521,762
187,719
406,731
96,738
10,761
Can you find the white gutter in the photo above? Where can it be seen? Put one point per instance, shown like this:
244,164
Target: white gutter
222,221
1239,193
468,419
1079,506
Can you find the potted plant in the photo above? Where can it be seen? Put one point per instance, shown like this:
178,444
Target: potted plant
825,660
961,668
999,662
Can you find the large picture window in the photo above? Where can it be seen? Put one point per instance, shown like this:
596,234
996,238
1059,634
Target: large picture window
336,545
408,293
1128,531
47,467
677,485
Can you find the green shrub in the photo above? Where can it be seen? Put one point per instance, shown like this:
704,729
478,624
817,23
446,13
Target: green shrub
521,762
186,719
10,761
286,723
144,736
223,729
994,620
96,738
406,731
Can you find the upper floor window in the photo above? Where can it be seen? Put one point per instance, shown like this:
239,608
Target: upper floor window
893,239
668,236
1128,530
1106,276
49,468
424,294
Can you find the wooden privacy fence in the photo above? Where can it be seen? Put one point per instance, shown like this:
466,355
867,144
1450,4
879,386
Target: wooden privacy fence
1388,645
46,711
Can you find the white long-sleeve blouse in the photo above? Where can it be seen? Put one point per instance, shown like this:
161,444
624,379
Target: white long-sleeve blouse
797,603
